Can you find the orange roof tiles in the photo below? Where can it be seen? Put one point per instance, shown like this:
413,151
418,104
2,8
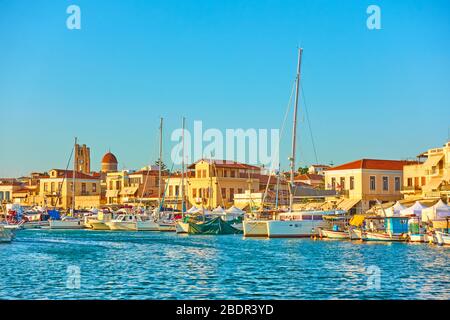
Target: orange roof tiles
375,164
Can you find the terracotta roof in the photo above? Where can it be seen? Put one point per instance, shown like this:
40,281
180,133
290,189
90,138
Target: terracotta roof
226,164
109,158
78,175
309,176
375,164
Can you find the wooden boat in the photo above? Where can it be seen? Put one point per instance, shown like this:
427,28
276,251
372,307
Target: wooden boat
331,234
383,236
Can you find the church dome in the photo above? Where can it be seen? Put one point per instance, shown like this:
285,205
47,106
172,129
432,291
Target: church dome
109,158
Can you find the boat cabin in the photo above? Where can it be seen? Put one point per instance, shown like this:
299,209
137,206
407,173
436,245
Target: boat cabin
396,224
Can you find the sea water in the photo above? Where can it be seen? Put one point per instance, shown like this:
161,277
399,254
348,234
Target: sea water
86,264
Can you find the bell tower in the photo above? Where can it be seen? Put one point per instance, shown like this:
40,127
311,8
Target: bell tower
83,159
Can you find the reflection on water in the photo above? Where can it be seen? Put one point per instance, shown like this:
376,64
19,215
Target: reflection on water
121,265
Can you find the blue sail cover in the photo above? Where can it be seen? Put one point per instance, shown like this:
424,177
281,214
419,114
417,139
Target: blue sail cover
54,214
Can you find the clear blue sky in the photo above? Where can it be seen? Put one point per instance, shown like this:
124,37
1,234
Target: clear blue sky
376,94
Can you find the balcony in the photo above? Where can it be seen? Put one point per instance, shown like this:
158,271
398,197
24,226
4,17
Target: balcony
410,189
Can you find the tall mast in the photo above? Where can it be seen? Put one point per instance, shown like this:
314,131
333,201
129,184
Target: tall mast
160,161
294,129
182,168
73,175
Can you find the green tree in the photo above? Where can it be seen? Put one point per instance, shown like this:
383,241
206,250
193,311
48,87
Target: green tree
303,170
161,164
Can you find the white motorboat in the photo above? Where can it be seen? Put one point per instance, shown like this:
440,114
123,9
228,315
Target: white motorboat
442,238
66,223
133,222
6,235
299,224
181,227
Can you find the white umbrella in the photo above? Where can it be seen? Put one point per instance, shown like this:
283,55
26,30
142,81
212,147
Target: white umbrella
193,209
219,209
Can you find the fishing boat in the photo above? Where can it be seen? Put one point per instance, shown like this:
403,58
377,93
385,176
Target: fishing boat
215,226
393,229
6,235
337,228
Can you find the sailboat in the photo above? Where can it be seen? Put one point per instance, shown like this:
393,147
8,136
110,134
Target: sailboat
69,222
291,224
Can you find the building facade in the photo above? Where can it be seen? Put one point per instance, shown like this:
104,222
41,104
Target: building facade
57,190
214,183
362,183
430,179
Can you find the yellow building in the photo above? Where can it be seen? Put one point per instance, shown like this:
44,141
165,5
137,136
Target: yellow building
362,182
7,187
133,187
215,182
56,190
430,179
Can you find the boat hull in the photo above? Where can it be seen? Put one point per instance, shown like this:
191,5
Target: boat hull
343,235
166,227
442,238
147,226
376,236
182,227
122,225
416,238
98,225
66,225
6,235
293,228
254,228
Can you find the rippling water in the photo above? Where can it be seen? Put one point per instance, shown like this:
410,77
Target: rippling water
153,265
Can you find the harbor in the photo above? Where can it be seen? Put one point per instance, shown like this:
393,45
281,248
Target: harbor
149,265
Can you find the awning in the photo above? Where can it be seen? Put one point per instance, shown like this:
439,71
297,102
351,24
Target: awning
348,204
357,220
434,183
432,161
128,191
242,206
112,193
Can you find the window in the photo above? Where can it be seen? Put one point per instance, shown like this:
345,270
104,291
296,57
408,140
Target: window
204,173
194,193
94,187
198,174
83,188
342,183
372,183
224,193
225,173
110,185
177,190
385,183
397,183
7,196
52,187
59,187
170,190
352,183
424,181
231,194
416,181
239,190
409,182
45,187
333,183
232,174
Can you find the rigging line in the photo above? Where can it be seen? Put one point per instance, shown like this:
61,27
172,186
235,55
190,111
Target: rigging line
309,125
65,175
281,135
